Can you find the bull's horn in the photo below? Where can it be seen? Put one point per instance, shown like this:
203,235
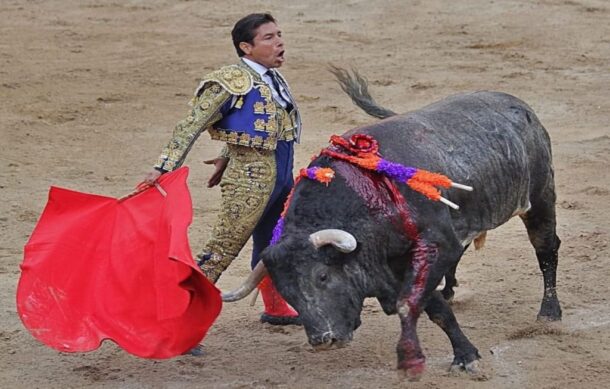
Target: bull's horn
249,284
341,240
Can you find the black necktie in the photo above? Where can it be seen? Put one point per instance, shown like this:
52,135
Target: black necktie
274,80
276,84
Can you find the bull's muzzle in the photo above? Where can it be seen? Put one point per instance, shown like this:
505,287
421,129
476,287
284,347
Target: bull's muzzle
329,340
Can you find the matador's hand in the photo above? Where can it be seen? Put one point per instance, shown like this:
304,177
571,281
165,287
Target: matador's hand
220,164
151,177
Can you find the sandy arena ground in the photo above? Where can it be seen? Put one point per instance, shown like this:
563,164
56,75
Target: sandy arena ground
90,91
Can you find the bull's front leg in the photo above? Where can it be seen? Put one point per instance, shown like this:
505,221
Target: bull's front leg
429,263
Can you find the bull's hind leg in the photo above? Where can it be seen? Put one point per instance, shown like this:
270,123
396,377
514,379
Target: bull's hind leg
465,354
541,223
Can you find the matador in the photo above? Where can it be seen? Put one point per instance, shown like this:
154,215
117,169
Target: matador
249,106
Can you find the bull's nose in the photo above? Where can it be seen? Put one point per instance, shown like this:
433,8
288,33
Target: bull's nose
323,341
329,340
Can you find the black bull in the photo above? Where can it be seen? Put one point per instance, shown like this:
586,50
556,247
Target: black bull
488,140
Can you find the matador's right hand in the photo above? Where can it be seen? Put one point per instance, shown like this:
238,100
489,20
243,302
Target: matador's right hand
151,177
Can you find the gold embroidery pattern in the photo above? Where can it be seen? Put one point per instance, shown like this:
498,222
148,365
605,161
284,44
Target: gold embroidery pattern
260,125
270,108
257,141
286,124
246,187
259,107
271,126
232,137
215,88
233,78
265,92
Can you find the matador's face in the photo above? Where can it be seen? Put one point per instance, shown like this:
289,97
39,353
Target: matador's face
267,48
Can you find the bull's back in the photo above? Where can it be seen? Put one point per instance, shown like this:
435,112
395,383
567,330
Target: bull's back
489,140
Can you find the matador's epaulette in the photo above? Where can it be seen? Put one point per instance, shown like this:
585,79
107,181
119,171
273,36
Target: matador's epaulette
233,78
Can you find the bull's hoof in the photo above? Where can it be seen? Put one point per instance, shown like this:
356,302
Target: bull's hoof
473,369
547,318
468,362
470,368
550,309
549,312
413,374
412,370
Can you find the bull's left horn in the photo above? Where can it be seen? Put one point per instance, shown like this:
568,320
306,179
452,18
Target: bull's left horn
248,286
341,240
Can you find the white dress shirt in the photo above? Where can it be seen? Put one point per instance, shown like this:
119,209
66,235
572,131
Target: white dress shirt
280,96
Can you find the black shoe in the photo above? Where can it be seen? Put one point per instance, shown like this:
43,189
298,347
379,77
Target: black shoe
281,320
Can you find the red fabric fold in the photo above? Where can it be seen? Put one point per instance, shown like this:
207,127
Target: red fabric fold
100,268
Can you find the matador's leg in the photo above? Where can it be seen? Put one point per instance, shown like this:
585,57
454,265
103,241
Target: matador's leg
245,188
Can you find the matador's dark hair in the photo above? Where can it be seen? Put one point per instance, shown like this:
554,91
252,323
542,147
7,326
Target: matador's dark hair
245,29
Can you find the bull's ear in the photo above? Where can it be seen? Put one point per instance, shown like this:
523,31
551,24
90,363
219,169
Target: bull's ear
269,254
276,253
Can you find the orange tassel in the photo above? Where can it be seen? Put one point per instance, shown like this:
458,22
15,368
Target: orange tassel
325,175
424,188
432,178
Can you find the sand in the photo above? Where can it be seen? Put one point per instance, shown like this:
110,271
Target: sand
90,91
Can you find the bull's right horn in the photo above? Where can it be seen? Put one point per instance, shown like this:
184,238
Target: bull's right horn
341,240
248,286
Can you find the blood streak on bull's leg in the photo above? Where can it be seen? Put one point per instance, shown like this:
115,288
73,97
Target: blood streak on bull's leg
382,195
410,356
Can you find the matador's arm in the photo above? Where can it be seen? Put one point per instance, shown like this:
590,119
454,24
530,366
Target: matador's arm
207,109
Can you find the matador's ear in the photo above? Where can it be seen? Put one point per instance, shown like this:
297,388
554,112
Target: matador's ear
245,47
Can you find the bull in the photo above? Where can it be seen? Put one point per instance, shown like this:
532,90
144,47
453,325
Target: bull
342,243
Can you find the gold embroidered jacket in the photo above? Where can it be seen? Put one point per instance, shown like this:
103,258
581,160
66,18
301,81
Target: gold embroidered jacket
236,106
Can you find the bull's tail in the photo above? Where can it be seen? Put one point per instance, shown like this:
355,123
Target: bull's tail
357,89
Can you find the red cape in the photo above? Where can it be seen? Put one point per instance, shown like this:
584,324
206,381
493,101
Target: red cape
99,268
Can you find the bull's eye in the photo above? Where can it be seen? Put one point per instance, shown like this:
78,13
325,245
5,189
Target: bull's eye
321,275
